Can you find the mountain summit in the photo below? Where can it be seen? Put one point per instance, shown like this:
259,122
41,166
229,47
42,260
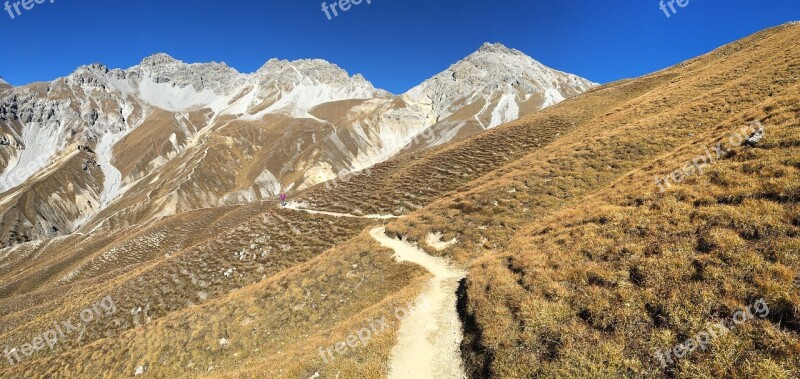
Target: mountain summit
492,86
496,69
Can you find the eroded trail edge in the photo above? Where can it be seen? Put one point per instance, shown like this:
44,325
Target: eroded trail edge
429,338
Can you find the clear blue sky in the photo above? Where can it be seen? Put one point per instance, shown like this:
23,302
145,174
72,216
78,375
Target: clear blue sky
396,44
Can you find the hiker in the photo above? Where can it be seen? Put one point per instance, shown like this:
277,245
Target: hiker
283,199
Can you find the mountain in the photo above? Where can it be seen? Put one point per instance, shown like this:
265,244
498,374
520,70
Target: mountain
492,86
4,85
563,255
165,137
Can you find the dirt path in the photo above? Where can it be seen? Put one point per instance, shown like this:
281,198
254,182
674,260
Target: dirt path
430,336
302,208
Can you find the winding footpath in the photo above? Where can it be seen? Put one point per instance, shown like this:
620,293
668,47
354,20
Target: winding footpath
429,337
299,207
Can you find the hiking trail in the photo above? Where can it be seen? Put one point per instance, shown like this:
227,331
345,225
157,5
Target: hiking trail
429,337
300,207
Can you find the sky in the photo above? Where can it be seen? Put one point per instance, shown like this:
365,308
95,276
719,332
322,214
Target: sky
396,44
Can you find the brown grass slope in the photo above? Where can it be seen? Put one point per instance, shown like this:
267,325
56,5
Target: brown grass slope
581,267
156,271
270,329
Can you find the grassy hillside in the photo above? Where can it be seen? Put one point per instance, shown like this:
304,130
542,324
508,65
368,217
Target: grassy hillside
582,267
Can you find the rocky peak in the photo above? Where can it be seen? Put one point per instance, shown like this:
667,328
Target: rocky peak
497,48
493,70
329,81
159,59
162,69
308,71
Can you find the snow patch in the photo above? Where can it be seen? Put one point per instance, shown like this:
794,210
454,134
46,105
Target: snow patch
303,97
552,97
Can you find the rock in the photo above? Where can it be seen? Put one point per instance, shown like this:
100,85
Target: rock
755,138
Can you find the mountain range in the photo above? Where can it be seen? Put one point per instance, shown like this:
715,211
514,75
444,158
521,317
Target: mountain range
104,147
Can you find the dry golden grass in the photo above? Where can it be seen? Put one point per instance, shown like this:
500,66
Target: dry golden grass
272,328
582,268
161,270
